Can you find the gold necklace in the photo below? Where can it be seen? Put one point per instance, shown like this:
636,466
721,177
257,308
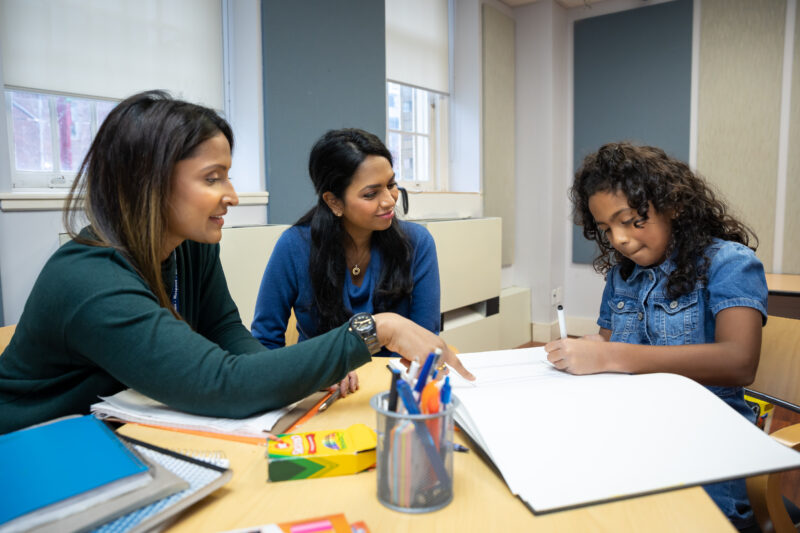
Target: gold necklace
356,270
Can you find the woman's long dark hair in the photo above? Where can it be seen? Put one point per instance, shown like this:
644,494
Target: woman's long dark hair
125,180
646,174
334,159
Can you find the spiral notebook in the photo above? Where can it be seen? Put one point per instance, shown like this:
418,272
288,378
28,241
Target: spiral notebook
204,474
164,484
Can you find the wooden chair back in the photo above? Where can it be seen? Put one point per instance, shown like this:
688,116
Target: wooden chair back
6,333
777,377
291,334
779,366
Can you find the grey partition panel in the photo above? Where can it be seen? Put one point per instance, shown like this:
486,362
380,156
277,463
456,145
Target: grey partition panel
324,68
632,76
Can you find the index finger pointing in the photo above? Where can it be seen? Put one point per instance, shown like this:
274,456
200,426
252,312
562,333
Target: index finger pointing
454,362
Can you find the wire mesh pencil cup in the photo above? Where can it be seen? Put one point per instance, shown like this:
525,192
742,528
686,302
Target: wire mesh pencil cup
414,457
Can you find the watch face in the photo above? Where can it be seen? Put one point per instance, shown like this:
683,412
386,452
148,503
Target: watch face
363,322
364,325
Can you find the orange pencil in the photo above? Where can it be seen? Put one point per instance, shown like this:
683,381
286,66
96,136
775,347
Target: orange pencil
262,441
310,414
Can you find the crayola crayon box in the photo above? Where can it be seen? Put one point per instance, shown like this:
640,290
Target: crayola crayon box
763,411
321,453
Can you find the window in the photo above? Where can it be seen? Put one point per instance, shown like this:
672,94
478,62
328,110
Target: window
49,136
416,133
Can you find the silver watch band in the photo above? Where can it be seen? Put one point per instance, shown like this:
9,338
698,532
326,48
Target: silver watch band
363,325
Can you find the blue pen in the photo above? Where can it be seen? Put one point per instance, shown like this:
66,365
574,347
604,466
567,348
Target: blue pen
423,374
407,397
404,391
446,391
393,389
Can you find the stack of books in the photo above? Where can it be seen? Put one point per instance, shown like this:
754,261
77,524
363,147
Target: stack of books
75,474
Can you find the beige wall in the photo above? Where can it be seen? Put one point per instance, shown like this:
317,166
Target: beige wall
498,123
741,66
791,235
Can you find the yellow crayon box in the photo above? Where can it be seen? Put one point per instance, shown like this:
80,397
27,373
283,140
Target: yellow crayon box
321,453
763,411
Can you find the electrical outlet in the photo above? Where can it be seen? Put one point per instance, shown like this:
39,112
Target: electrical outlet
557,296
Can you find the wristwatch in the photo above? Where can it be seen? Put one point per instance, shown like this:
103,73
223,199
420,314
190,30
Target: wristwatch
363,325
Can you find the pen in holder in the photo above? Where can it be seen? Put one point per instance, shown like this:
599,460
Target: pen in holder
414,457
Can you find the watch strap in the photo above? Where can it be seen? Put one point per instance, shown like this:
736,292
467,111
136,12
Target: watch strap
363,325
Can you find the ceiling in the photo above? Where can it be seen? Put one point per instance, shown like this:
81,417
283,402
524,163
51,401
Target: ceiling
566,3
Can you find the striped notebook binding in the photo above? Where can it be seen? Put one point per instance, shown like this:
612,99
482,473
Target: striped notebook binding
204,471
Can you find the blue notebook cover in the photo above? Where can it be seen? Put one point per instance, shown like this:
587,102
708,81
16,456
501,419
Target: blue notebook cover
50,463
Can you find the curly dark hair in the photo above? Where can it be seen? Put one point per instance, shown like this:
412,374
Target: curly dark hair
646,174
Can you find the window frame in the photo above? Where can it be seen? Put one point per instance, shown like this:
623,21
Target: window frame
438,141
46,180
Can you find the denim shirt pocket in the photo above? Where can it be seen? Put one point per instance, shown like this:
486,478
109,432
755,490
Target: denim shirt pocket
624,310
677,320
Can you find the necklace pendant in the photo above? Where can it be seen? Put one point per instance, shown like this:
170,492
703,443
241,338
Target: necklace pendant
355,271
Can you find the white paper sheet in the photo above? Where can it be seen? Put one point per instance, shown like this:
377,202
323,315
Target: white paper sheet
132,406
561,440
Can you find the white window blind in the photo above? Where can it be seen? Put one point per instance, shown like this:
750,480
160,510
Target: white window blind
114,48
417,43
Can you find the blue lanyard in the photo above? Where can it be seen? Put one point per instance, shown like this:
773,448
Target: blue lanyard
175,284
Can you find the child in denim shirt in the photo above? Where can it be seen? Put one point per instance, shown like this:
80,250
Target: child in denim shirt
684,292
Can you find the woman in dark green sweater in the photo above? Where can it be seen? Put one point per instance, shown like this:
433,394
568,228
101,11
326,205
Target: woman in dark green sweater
138,297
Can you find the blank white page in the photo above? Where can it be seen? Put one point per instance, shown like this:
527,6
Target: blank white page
562,440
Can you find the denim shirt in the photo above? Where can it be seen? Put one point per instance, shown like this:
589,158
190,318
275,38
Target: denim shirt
639,311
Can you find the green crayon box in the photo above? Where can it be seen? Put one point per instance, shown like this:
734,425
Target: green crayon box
316,454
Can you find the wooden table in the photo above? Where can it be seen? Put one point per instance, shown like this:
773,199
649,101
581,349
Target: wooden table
784,295
482,501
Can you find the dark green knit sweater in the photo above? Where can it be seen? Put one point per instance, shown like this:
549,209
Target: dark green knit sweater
92,327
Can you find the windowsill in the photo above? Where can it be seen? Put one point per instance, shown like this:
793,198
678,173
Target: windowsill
412,191
33,201
54,201
444,205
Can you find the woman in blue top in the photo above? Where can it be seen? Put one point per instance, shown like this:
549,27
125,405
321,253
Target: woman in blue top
684,292
363,258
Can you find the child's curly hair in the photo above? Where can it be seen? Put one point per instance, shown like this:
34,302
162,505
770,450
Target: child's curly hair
647,174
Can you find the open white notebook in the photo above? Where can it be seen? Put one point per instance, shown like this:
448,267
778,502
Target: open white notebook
131,406
563,441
